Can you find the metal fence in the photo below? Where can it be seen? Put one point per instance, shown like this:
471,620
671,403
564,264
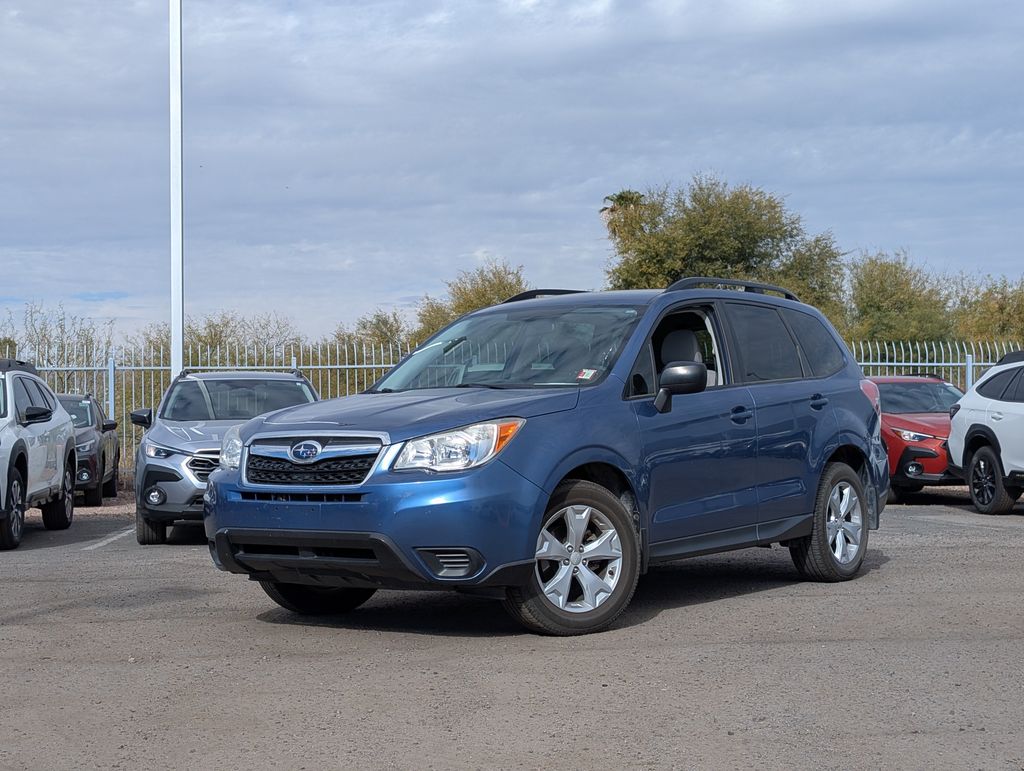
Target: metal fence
124,379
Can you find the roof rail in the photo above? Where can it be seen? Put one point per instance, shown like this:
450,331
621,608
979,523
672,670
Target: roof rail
1012,358
747,286
531,294
7,365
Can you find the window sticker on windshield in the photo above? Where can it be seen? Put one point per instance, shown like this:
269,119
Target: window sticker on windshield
586,374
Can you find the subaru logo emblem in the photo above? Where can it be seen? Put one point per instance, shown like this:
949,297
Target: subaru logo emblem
305,452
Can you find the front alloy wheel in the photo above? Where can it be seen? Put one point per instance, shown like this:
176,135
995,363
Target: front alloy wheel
586,564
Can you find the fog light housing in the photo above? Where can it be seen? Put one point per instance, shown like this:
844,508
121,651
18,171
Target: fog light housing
155,496
914,469
84,475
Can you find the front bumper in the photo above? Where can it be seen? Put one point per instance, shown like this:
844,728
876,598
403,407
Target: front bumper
933,465
87,473
387,533
182,490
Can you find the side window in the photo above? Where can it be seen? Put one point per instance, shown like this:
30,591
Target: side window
993,387
688,335
1015,393
44,398
22,401
822,352
766,349
641,378
98,413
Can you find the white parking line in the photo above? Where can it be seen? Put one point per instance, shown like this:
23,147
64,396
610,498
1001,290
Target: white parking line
108,539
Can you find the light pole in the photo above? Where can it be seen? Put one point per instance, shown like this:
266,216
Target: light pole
177,228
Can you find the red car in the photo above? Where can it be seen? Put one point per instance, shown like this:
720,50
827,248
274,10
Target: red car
915,427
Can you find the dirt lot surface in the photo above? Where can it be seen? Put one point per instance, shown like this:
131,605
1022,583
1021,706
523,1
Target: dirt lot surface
119,656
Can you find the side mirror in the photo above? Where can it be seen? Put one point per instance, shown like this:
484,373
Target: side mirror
37,415
110,425
678,378
142,418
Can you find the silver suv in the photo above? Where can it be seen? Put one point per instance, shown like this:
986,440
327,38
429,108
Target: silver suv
37,453
181,445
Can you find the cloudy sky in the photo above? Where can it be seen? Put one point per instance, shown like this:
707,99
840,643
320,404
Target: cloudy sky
345,155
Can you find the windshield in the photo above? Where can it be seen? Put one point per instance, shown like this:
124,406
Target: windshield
235,399
80,411
518,348
902,398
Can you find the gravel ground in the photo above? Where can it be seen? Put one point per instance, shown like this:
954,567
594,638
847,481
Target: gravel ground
119,656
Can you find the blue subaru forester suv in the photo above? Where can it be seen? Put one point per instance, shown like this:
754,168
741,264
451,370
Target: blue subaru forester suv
547,450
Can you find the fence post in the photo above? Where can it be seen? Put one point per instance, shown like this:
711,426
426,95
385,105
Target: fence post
110,388
970,371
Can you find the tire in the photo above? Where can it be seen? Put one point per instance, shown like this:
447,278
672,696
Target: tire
148,532
110,486
819,556
985,483
13,525
316,600
565,595
897,493
58,513
94,495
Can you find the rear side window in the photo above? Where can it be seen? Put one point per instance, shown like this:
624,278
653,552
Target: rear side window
822,352
993,387
767,350
1015,393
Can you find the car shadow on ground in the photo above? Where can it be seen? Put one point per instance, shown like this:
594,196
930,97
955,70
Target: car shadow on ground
36,536
665,587
953,497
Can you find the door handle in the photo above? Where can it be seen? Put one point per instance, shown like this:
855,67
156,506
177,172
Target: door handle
818,401
741,414
997,416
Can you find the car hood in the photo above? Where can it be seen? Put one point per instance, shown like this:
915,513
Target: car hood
191,436
407,414
934,423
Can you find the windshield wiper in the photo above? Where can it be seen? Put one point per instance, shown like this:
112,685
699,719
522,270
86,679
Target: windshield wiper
495,386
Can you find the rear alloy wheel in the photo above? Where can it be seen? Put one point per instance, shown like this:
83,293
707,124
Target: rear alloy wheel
58,513
587,564
985,481
94,495
13,525
838,541
316,600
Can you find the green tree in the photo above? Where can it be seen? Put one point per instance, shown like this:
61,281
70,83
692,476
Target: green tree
489,284
988,308
894,299
382,327
706,228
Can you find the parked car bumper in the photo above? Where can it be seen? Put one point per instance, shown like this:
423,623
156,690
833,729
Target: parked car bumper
87,474
471,530
181,491
925,464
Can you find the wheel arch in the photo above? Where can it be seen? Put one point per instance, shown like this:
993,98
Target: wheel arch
853,455
979,436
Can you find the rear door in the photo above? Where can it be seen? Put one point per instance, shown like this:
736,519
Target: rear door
1006,418
793,413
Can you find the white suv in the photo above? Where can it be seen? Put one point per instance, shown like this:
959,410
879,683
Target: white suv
986,440
37,453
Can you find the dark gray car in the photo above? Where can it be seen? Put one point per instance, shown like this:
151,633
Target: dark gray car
182,442
97,448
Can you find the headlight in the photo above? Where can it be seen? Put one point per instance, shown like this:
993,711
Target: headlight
231,449
86,446
156,451
913,436
459,449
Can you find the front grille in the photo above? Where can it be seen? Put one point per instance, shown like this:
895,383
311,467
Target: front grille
203,464
349,470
